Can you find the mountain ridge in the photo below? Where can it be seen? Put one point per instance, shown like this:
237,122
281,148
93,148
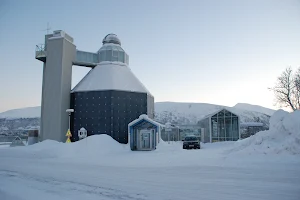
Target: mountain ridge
257,108
35,111
179,113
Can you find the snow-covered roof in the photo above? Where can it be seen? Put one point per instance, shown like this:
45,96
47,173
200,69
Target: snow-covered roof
110,76
210,115
145,117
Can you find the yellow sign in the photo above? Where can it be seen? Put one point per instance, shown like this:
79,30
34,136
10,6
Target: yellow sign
68,135
68,140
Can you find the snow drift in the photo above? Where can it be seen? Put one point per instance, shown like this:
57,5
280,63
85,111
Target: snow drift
90,147
282,137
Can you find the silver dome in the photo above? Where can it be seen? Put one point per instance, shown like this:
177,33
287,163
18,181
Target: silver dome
111,38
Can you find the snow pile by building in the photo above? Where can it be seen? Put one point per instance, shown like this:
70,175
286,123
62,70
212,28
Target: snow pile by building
282,137
94,146
90,147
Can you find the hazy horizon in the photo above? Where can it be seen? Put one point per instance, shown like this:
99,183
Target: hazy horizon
154,102
211,52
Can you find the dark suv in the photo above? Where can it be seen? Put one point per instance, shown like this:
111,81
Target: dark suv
191,142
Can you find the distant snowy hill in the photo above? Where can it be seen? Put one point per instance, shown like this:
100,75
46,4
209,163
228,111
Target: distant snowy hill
256,108
30,112
20,119
174,112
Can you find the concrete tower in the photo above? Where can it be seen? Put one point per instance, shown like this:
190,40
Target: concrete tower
58,55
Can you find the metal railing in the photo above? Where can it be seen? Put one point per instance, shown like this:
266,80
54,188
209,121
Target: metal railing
40,50
40,47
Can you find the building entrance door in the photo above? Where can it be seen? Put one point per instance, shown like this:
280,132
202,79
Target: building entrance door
145,139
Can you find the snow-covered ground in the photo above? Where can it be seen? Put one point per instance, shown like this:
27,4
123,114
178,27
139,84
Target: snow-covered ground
100,168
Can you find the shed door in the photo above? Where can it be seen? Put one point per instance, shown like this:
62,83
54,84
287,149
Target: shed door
145,142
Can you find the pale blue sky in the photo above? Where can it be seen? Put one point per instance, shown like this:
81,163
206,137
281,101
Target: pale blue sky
220,52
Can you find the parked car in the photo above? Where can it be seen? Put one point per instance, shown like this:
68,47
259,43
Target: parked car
191,142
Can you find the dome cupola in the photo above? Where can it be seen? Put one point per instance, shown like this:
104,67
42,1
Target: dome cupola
111,38
111,51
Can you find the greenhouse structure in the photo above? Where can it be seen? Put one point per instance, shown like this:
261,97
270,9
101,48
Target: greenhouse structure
222,125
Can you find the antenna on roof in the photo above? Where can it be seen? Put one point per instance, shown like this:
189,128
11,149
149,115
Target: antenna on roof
48,28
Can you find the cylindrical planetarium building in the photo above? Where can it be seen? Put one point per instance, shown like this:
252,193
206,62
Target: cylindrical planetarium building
110,96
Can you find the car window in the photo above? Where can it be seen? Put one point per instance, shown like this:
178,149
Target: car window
190,138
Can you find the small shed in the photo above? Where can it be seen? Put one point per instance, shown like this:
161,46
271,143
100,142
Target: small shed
17,142
144,133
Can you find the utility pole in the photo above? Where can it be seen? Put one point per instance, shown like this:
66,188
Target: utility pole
48,28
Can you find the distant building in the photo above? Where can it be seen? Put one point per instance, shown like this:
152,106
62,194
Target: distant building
173,134
190,129
251,128
222,125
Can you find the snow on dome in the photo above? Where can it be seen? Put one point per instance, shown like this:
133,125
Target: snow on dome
110,76
111,38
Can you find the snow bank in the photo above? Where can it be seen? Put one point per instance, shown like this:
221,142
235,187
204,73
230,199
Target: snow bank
94,146
282,137
90,147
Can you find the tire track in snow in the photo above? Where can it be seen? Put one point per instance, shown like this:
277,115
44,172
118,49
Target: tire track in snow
51,185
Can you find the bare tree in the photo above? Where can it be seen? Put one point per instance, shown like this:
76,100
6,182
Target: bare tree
297,88
287,89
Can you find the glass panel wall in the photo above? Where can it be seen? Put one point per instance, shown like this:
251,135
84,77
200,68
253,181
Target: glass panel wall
224,126
121,57
228,128
214,129
82,56
113,55
235,131
108,55
221,126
